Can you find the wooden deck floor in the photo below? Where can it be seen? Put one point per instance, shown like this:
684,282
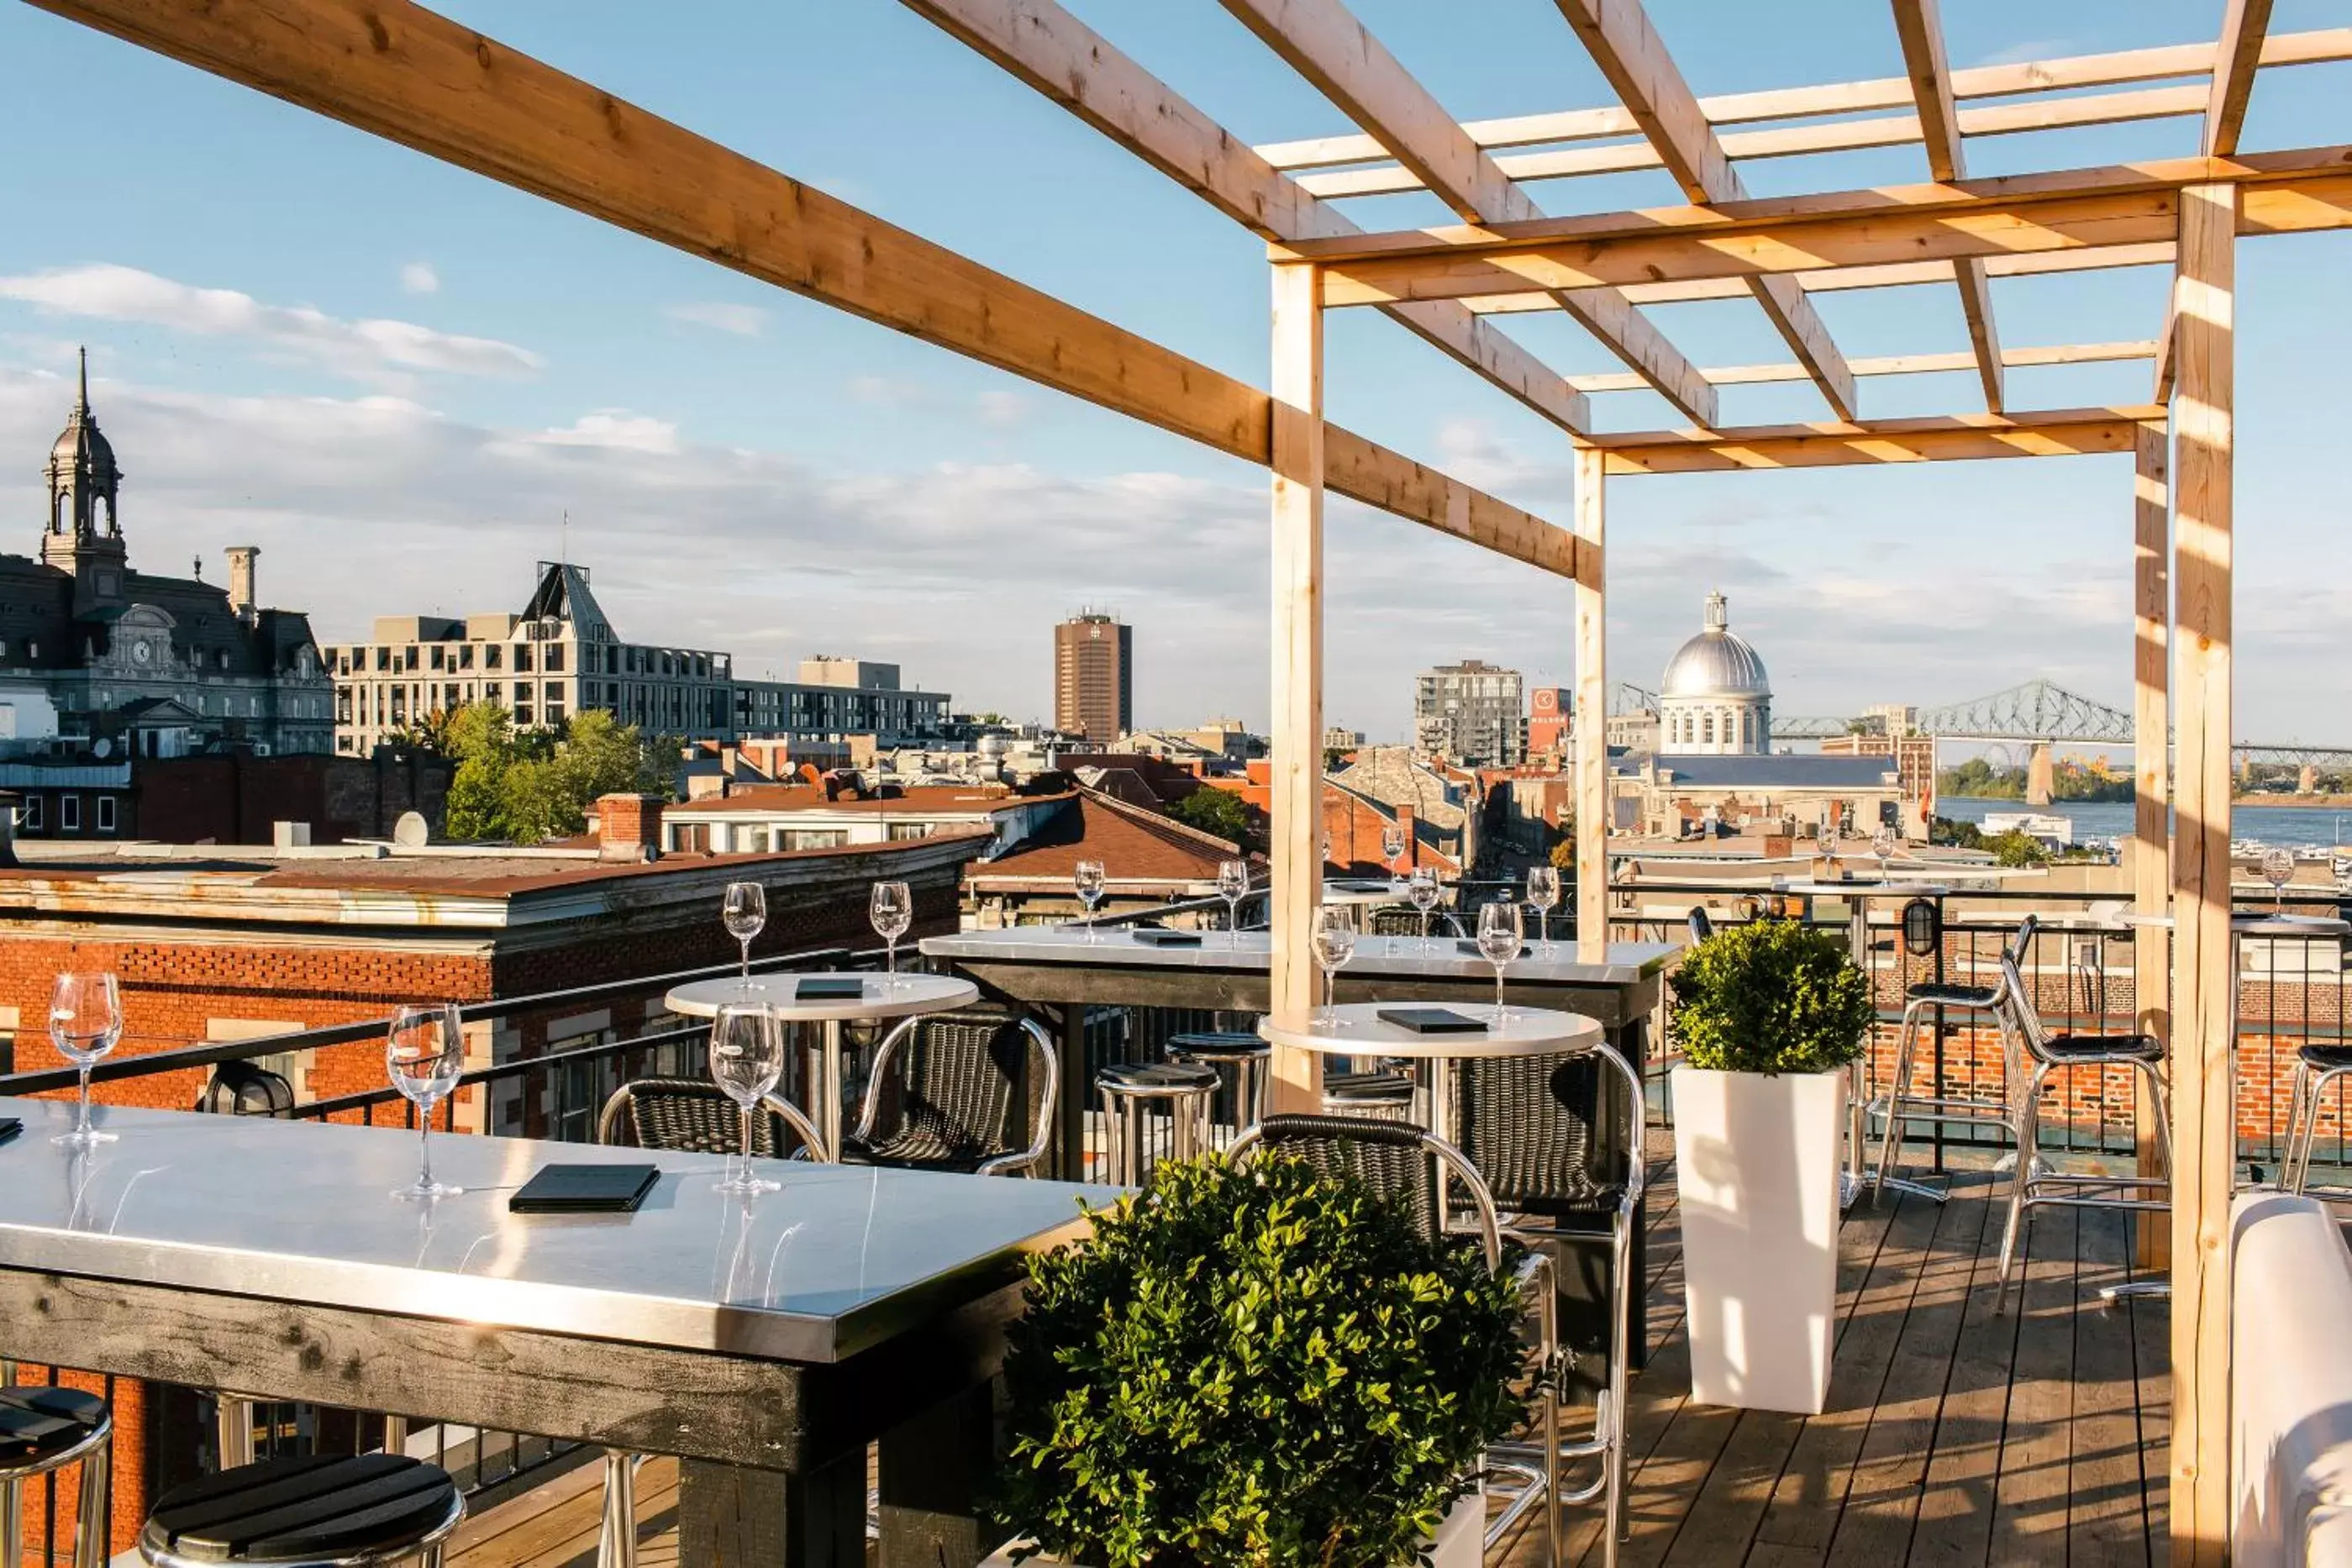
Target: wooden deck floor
1952,1436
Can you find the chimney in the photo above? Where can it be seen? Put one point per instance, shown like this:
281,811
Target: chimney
731,758
241,558
290,835
628,827
1411,838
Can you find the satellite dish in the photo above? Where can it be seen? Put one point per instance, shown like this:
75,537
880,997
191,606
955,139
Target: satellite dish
410,832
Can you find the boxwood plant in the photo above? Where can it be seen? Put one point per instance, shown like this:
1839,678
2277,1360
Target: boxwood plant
1253,1365
1771,996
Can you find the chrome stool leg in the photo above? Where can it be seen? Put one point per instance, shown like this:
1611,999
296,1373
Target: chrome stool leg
1898,1095
93,1451
616,1538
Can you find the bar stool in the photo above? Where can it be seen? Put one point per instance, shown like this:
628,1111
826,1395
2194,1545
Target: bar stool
1247,1056
1129,1089
42,1430
1376,1095
2315,1067
364,1511
1900,1106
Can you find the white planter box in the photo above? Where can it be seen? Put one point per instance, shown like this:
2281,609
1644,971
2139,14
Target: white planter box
1461,1540
1756,1164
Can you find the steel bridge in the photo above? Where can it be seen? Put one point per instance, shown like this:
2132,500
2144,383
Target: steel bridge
2037,712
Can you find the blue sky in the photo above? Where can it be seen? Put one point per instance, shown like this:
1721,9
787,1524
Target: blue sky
397,377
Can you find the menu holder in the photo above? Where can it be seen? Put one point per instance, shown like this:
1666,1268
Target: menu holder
830,989
1159,936
9,1127
1472,949
585,1189
1433,1021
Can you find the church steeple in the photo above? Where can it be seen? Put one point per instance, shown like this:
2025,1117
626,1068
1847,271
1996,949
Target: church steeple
84,533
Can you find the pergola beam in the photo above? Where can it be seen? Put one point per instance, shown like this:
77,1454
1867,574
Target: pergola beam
1041,43
1618,36
2052,433
1335,52
2237,53
1890,275
1889,365
1922,34
414,77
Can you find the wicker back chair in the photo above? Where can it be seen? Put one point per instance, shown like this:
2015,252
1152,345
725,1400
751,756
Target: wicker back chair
1403,920
690,1116
971,1092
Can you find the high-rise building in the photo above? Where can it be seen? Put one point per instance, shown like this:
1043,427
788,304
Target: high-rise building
1471,712
1093,677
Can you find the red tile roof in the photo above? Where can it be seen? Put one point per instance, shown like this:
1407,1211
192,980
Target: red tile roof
1134,845
939,798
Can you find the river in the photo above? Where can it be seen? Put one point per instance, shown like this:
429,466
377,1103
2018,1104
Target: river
2291,826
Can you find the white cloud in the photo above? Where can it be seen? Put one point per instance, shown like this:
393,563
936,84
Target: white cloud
883,392
378,350
615,428
743,320
418,277
1001,410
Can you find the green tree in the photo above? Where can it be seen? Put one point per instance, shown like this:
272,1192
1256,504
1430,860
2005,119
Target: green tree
1220,812
536,784
1563,854
2016,848
476,804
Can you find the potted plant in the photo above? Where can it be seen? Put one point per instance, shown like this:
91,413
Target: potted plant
1769,1016
1257,1365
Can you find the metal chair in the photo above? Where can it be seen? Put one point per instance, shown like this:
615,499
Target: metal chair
1385,1095
1129,1091
1248,1057
1899,1106
2315,1067
365,1511
1414,1170
42,1430
1701,925
1403,920
2144,1054
970,1091
1529,1124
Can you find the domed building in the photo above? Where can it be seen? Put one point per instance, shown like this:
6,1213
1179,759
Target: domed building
1715,699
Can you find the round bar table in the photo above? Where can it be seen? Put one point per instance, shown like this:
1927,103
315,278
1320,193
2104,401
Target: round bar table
881,996
1356,1029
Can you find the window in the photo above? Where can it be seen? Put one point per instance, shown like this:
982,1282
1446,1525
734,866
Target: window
523,656
466,656
554,656
491,654
69,814
106,814
32,817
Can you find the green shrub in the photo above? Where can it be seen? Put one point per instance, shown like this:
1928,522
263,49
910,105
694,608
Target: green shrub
1253,1365
1770,997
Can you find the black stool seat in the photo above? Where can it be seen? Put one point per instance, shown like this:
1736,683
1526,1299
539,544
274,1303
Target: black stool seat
38,1424
2081,1047
1954,996
2326,1058
1218,1047
305,1512
1156,1078
1366,1088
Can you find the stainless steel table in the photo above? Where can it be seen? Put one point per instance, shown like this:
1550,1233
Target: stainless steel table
1356,1029
765,1342
880,997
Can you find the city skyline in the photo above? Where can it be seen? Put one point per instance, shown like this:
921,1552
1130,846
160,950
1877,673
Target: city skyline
391,398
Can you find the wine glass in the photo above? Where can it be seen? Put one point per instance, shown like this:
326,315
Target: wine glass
1882,845
1422,888
745,915
85,1022
1499,935
423,1054
1334,943
2278,870
1088,881
1392,849
1233,885
1543,897
892,910
747,1058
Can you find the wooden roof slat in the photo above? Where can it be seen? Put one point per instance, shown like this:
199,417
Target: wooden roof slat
1041,43
2172,60
2049,432
1328,45
1891,365
400,71
1886,275
1921,32
2236,54
1618,36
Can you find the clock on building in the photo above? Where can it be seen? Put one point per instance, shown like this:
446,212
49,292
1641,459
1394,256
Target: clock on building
143,651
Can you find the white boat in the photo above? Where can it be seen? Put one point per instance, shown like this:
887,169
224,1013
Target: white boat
2048,826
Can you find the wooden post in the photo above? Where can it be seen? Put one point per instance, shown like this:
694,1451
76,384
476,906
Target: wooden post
1296,847
2203,982
2151,791
1591,722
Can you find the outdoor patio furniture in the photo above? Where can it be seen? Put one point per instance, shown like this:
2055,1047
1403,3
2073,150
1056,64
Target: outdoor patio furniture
1900,1106
1417,1172
359,1512
1701,925
1385,1095
693,1115
2144,1054
1131,1092
42,1430
1403,920
1246,1055
2315,1067
970,1091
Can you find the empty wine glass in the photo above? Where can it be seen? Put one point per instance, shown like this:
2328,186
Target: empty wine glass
892,910
747,1058
2278,870
1883,844
85,1022
744,913
1088,881
1422,888
1233,885
1543,897
1392,849
1499,936
1334,943
423,1054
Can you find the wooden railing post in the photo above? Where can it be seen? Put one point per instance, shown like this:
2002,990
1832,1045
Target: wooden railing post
2151,791
1296,844
1591,719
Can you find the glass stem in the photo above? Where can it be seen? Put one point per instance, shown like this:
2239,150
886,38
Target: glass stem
81,1118
890,959
1499,993
745,1111
424,1146
746,956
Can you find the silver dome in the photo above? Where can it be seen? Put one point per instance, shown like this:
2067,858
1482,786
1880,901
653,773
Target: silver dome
1716,663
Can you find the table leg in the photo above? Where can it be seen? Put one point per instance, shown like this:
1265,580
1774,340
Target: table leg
829,1092
931,1467
1070,1130
730,1517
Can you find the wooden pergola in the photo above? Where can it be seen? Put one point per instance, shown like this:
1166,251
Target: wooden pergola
415,78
